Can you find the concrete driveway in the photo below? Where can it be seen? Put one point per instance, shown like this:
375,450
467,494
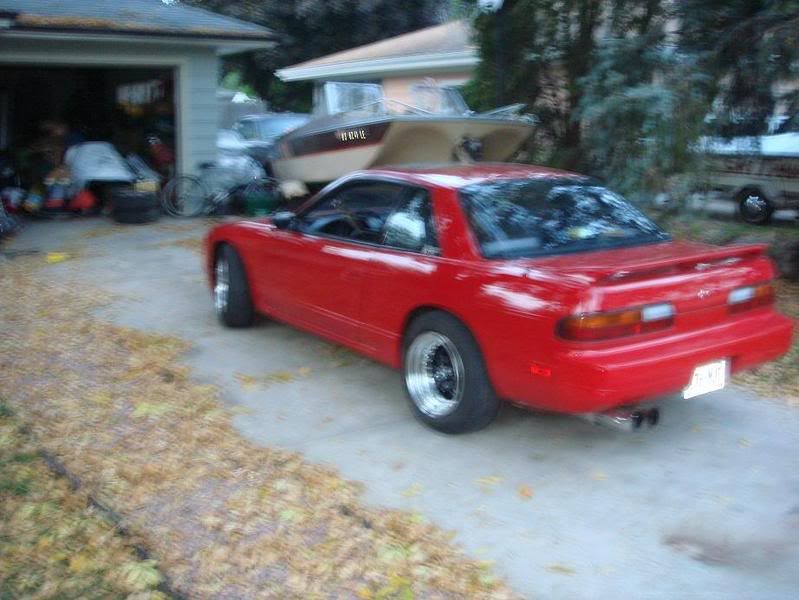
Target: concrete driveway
704,506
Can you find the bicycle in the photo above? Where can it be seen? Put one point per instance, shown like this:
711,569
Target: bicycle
212,191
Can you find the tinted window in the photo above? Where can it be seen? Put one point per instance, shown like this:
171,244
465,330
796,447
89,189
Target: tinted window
357,212
521,218
410,226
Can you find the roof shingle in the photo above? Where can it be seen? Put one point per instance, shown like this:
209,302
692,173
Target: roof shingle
128,15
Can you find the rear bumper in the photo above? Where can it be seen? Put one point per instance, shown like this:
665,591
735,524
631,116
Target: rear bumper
587,380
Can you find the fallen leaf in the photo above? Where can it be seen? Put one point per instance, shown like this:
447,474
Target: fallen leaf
56,257
489,482
413,490
560,569
525,492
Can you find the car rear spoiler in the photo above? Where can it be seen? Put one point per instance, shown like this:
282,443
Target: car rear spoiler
701,261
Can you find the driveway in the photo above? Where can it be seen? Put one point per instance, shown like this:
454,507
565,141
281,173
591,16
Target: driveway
704,506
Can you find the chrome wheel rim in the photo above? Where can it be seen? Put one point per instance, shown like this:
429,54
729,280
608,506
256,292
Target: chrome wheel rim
221,285
434,374
755,207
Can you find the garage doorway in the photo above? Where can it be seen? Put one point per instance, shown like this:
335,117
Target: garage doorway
45,110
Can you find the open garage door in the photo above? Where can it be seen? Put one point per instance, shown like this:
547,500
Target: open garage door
46,110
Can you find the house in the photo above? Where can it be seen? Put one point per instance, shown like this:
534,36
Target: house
444,53
124,71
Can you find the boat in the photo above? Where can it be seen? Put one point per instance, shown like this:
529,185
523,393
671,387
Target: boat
354,126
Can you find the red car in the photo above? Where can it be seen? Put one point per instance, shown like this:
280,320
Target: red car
530,285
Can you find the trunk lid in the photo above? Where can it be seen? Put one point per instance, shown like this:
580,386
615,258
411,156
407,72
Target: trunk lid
696,278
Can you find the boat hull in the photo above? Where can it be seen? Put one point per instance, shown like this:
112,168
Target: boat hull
323,154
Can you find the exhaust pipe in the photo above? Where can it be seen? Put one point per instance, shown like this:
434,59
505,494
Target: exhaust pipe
626,419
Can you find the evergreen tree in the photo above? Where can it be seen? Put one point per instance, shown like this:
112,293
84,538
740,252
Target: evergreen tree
308,29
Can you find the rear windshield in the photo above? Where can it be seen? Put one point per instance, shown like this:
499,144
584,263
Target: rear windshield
526,218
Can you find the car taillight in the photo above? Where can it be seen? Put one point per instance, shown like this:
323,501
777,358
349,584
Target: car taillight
588,327
751,296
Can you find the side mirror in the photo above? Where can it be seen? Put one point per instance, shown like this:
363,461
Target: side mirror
284,219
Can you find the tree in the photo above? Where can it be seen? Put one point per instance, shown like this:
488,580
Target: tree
623,88
307,29
746,47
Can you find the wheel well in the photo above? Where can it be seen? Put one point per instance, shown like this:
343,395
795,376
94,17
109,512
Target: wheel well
423,310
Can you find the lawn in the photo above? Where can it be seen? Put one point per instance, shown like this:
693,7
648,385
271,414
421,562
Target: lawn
53,545
223,517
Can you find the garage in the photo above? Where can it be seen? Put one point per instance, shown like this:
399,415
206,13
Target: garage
139,75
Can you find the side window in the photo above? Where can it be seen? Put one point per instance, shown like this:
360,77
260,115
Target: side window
356,212
248,130
410,226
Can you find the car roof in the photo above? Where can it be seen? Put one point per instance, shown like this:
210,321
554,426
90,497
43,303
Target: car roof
458,175
263,116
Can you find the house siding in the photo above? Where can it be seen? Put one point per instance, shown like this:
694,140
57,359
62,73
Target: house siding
399,87
196,76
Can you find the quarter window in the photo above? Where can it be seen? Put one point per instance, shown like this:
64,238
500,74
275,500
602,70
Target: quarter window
410,226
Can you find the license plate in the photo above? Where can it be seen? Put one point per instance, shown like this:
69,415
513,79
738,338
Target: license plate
707,378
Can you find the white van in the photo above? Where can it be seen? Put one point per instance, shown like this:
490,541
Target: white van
760,173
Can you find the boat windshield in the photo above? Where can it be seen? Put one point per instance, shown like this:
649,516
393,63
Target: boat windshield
439,100
339,97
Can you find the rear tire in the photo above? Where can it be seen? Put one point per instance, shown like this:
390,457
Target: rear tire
232,299
754,207
130,206
445,376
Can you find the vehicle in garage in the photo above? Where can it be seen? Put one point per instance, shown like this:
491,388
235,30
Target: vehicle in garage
498,281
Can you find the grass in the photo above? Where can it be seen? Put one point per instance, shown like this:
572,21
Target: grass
780,379
52,544
718,230
223,517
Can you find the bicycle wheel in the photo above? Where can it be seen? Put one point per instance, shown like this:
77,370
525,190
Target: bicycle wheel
184,196
262,197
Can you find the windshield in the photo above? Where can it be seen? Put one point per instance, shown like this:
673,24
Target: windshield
526,218
335,97
438,100
275,126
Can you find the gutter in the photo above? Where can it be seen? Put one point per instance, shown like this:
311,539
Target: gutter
439,61
227,43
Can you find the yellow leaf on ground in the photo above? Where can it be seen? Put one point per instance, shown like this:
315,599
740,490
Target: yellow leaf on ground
413,490
560,569
525,492
487,483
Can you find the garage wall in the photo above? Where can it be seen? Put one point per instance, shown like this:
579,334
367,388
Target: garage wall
196,78
198,112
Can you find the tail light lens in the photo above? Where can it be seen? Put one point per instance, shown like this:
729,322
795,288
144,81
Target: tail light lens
587,327
751,296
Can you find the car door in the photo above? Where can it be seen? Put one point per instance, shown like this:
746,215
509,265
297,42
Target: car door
316,268
401,272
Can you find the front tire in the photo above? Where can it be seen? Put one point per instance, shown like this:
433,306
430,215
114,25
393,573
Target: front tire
445,376
232,299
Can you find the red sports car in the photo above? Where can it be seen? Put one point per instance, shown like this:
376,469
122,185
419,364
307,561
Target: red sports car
504,282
